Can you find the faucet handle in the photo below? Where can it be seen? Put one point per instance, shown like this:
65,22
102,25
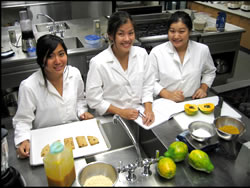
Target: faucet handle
131,169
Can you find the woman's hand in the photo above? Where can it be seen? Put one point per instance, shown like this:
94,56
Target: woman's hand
201,92
23,151
129,113
149,114
86,115
176,96
149,118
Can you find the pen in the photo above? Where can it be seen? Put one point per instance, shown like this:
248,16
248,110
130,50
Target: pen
141,114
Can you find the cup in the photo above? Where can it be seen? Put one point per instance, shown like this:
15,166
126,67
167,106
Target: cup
12,35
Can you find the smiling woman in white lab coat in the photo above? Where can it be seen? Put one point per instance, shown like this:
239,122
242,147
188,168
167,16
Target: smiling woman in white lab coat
51,96
120,78
183,68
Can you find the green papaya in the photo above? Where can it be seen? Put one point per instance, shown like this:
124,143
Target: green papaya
199,160
177,151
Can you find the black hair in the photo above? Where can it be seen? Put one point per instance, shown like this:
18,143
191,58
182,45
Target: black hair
45,46
116,20
180,16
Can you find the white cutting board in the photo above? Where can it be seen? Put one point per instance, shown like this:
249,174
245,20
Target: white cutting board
44,136
184,120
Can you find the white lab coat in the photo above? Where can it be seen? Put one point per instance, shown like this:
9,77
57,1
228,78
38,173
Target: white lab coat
40,107
198,67
107,82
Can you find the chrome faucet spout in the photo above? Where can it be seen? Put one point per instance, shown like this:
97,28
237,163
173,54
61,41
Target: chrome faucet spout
117,119
47,16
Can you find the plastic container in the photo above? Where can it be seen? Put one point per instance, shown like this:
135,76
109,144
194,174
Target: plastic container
93,41
221,21
59,165
32,52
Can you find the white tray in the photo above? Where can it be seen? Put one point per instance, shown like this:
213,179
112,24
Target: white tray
44,136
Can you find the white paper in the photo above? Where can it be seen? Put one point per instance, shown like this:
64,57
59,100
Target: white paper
184,120
163,110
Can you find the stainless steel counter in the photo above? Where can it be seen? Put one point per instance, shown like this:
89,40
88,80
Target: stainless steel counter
231,169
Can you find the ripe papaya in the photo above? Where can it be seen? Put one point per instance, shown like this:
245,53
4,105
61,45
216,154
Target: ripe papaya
199,160
166,168
177,151
191,109
206,108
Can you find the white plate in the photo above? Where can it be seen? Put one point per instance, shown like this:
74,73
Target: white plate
44,136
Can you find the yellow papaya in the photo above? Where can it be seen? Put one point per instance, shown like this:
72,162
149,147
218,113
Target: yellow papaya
206,108
166,168
191,109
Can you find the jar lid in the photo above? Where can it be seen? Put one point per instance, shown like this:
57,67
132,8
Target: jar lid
56,147
92,37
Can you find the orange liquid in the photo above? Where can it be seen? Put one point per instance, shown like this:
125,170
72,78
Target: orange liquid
66,181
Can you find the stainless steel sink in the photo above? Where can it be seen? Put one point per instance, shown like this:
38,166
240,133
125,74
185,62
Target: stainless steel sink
123,153
45,27
72,42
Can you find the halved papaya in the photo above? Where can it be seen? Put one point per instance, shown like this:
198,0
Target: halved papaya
191,109
206,108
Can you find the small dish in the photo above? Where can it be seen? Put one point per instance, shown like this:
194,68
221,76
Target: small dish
201,130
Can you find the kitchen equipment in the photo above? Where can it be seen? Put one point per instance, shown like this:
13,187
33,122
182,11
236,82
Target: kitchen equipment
245,7
201,131
221,66
217,108
233,5
227,120
199,24
10,177
192,144
59,165
98,169
28,39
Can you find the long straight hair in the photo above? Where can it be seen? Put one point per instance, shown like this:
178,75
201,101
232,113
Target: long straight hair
46,44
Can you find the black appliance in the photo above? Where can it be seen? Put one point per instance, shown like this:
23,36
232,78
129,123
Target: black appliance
10,177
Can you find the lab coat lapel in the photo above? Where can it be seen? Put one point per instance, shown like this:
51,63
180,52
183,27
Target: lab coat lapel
187,55
116,65
173,52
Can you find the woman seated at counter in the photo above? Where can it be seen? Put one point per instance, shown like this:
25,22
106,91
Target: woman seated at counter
183,68
51,96
120,78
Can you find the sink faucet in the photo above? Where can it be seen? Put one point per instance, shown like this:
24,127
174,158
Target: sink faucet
117,119
56,28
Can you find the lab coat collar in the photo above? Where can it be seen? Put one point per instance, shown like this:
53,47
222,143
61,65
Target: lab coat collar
171,49
67,74
115,63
